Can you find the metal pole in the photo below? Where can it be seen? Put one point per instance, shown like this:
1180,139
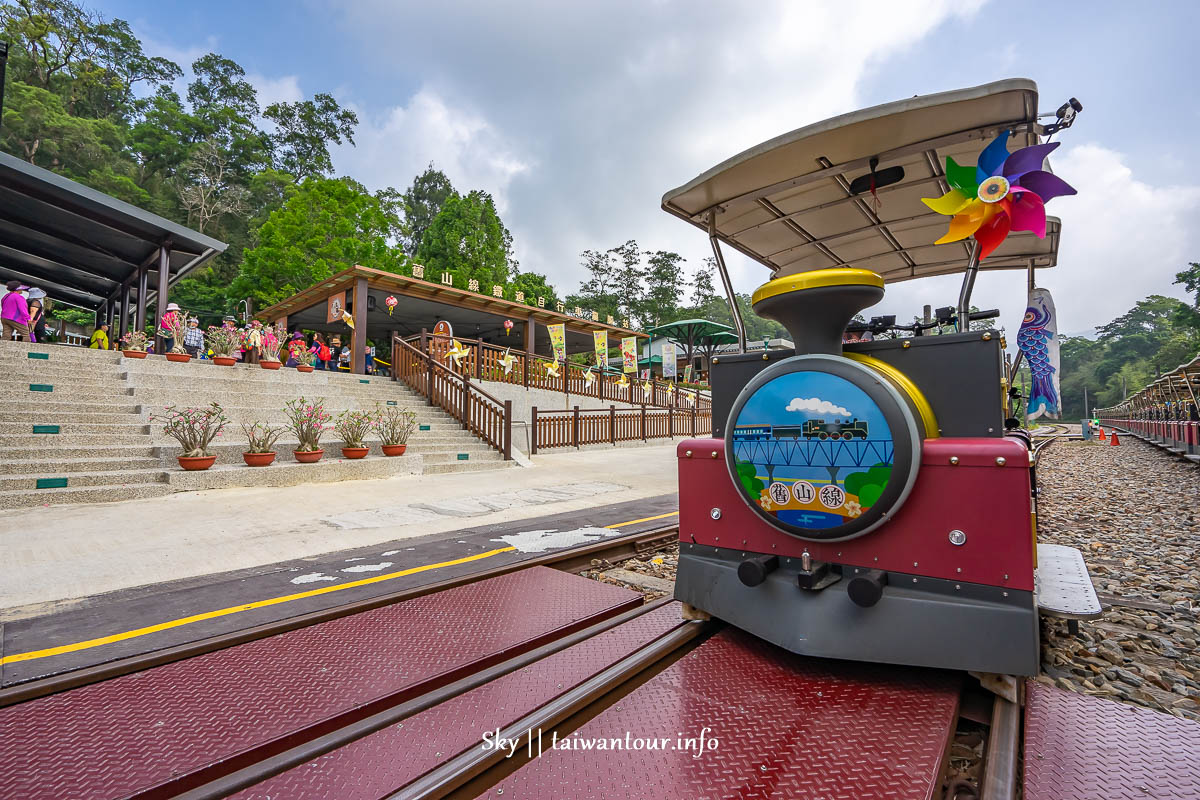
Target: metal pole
728,284
164,280
3,62
968,286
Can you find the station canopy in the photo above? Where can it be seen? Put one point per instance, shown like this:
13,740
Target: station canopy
789,203
81,245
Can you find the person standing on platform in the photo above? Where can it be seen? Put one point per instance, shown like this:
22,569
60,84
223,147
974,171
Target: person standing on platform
165,325
335,351
344,359
295,346
100,337
15,312
193,338
320,351
370,359
37,315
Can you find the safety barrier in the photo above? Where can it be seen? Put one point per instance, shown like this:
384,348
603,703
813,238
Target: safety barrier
484,361
576,427
479,412
1165,412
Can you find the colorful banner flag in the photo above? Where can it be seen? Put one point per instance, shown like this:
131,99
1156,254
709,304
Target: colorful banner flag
629,354
669,370
687,373
1038,340
558,340
600,340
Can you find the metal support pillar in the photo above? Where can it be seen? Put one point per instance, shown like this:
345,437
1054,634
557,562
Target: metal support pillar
164,280
358,350
530,329
125,326
968,286
726,282
143,275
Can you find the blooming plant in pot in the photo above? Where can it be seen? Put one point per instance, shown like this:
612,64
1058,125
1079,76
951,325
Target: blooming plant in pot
353,426
261,438
176,325
134,343
395,425
224,340
304,359
194,429
307,420
273,337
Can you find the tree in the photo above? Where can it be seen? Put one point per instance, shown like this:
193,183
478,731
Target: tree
207,189
534,286
702,282
1189,317
627,282
224,106
468,240
305,130
664,287
422,203
327,226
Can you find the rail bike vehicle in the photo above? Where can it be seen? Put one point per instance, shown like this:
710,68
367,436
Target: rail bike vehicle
875,501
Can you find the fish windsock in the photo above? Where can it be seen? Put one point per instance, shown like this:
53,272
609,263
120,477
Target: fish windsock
1038,340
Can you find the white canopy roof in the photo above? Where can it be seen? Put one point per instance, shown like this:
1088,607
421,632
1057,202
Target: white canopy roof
787,204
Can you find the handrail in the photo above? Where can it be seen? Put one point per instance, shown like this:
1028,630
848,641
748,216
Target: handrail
575,427
479,412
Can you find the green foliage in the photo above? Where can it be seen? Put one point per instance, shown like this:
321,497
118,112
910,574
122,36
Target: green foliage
534,285
869,485
74,316
746,474
325,227
421,204
305,131
467,239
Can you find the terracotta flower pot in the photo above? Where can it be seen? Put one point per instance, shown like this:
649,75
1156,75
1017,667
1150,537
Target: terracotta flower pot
258,459
269,364
224,361
304,368
308,456
134,353
192,463
394,449
179,358
354,452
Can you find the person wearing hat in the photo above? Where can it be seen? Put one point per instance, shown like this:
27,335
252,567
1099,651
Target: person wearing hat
296,345
100,337
14,312
193,338
166,326
37,315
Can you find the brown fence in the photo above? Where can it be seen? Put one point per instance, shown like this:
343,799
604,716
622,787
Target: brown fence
479,412
576,427
484,361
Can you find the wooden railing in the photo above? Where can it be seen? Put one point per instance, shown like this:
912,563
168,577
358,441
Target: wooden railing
575,427
479,412
482,361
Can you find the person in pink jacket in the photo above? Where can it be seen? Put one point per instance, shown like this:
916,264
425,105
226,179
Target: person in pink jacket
15,312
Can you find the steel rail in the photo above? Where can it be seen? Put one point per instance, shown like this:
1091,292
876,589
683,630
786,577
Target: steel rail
571,559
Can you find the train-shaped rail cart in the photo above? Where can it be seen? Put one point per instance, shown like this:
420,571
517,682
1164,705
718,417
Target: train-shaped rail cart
876,501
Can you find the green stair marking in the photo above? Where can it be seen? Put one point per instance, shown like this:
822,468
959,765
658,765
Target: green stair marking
463,456
45,429
51,483
391,402
423,428
42,356
363,380
41,387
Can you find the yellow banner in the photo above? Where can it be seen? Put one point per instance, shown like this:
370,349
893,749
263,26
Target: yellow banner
558,340
629,353
600,339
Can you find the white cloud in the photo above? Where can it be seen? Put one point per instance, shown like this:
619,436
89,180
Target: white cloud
284,89
816,405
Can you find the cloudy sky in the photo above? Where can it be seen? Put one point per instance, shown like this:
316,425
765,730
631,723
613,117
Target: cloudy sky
578,116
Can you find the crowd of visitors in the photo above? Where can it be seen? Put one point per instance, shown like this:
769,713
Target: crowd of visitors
24,312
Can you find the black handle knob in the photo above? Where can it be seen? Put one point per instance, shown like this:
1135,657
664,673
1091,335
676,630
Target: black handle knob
866,588
754,571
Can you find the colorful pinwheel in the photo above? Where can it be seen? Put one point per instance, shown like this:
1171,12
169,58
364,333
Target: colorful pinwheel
1004,192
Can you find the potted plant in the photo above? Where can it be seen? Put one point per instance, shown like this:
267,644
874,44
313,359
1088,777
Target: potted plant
135,343
304,359
261,437
353,426
273,337
307,420
395,425
177,326
194,429
223,340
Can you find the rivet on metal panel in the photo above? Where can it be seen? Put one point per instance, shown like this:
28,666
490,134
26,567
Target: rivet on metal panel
957,537
1001,461
1006,576
954,461
914,580
687,453
716,361
764,356
1004,593
987,337
906,345
716,514
714,453
959,569
958,586
915,564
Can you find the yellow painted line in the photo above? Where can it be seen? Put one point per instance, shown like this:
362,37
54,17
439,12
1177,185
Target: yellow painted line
643,519
175,623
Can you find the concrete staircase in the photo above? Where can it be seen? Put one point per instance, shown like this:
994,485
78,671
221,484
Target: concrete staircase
77,426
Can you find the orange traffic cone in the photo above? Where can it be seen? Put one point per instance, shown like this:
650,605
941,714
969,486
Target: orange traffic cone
1115,441
1102,433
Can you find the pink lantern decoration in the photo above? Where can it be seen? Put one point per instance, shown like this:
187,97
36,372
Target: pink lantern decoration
391,302
508,326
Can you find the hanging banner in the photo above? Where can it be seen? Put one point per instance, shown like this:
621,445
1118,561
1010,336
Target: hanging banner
334,306
600,340
1038,340
668,350
629,354
687,373
558,340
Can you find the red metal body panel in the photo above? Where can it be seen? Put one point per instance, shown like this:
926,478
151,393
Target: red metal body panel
381,763
785,727
179,724
1088,748
988,502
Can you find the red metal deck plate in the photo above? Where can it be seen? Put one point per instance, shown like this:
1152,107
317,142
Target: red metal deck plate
786,727
378,764
1087,748
193,720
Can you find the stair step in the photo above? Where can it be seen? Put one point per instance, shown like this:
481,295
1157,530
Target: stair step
57,466
51,407
74,480
466,466
55,443
25,498
64,428
90,417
